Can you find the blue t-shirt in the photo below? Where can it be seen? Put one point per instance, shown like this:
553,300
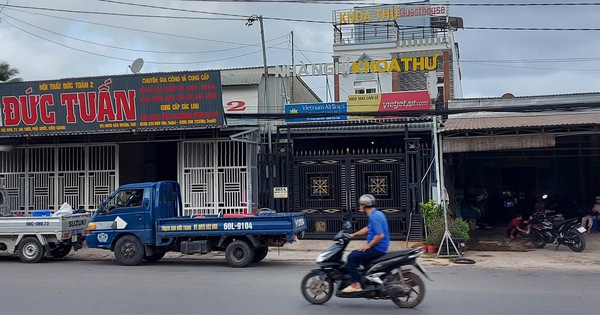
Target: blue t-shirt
378,225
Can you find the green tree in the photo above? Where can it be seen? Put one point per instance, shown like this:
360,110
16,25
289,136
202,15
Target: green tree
7,74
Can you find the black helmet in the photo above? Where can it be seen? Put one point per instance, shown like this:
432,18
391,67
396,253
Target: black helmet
367,200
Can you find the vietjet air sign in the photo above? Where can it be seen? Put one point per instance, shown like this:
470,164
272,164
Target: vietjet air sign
114,103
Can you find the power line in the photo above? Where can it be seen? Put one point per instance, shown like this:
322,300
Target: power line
370,3
240,45
540,60
237,17
528,28
535,68
240,18
124,59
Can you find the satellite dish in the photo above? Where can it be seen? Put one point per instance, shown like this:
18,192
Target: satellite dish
137,65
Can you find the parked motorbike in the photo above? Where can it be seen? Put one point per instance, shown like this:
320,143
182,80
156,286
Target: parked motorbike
382,278
566,232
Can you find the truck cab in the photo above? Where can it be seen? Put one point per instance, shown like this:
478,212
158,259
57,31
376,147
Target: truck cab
134,208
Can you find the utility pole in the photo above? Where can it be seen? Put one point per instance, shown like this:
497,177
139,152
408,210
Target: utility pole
249,23
293,69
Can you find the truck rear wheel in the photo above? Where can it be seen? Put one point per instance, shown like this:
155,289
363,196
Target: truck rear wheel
60,251
239,254
129,250
31,250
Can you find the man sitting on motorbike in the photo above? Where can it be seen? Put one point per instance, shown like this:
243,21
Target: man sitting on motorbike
378,240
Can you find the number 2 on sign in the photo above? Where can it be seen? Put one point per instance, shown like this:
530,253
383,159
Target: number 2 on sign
236,106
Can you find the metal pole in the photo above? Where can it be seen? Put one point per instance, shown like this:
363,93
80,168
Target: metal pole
266,98
293,69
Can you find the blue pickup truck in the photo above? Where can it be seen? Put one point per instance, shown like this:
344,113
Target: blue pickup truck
141,222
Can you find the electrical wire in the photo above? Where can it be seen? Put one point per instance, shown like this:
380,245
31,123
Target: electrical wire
124,59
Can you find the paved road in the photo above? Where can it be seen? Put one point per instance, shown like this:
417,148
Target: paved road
501,253
208,286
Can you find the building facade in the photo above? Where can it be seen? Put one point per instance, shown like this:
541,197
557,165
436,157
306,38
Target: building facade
76,140
386,59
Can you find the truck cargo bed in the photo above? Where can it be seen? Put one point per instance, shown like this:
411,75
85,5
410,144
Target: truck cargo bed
265,224
43,225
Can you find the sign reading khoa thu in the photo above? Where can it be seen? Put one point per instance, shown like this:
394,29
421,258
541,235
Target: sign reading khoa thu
403,64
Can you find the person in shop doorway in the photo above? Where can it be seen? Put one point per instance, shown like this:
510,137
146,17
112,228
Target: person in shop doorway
516,226
588,220
378,240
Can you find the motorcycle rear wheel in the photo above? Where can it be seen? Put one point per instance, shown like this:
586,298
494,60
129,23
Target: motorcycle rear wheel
537,240
577,238
414,291
317,287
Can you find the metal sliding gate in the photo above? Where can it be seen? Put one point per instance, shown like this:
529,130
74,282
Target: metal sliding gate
45,177
216,176
326,185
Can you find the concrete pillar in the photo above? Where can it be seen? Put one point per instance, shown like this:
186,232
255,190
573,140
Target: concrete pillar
336,81
395,78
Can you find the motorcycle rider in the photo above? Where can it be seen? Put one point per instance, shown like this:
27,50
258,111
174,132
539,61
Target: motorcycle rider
378,240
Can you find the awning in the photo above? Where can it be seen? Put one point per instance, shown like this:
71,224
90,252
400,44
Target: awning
487,120
485,131
497,143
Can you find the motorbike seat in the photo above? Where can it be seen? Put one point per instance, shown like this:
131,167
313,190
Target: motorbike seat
390,255
557,224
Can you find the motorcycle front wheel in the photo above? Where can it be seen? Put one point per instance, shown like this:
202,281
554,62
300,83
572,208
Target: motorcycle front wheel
414,291
576,241
317,287
537,240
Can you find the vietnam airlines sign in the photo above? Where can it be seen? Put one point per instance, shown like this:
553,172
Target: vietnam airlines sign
402,64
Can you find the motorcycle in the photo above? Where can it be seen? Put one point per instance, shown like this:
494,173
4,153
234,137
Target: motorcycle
382,278
565,232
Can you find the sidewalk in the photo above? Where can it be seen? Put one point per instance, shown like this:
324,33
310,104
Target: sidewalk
500,253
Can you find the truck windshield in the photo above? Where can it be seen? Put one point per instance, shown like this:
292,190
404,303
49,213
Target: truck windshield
123,199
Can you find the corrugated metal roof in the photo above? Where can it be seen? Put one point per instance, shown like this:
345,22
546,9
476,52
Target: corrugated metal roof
574,98
241,79
363,126
489,120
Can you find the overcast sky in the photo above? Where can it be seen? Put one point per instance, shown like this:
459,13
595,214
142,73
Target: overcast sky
47,40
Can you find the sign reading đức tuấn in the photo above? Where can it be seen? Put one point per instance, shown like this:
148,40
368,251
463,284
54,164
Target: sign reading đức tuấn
120,103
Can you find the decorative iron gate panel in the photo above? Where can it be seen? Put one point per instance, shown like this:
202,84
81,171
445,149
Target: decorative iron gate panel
327,185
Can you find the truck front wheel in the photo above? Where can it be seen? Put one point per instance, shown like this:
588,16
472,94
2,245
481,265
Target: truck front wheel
129,251
157,254
31,250
239,254
260,253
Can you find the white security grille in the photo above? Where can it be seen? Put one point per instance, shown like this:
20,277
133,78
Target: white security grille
44,177
214,177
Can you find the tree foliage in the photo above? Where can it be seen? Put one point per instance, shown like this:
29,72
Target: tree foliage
433,215
7,74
